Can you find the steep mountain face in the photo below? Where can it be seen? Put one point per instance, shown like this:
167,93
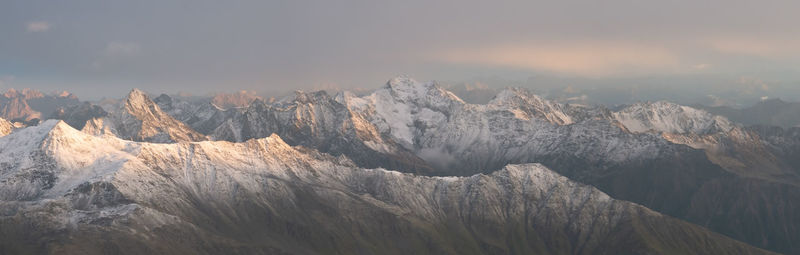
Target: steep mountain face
784,143
318,121
77,115
15,106
515,127
670,118
729,145
29,104
201,115
139,119
67,192
5,127
762,204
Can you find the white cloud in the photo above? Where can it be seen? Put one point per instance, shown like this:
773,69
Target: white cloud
38,26
122,49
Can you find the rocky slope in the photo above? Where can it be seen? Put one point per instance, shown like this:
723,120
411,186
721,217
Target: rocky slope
67,192
138,118
5,127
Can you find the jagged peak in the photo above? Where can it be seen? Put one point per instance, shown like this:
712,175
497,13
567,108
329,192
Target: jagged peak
525,104
10,91
138,100
408,89
27,93
400,80
311,97
514,94
136,94
256,105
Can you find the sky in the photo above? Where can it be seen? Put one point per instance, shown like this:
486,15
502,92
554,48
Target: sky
100,48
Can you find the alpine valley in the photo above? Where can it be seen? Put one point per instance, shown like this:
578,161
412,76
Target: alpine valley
409,168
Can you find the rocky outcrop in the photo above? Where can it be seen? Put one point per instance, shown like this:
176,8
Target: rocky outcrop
140,119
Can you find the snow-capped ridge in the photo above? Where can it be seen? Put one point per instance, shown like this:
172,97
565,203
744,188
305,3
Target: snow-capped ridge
405,88
310,97
662,116
526,104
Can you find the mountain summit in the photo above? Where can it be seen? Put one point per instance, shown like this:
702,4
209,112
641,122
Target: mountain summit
138,118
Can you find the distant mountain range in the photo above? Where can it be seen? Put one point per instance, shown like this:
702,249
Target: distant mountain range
771,112
408,168
28,104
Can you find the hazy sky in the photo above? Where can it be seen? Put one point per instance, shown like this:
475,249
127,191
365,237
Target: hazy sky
106,47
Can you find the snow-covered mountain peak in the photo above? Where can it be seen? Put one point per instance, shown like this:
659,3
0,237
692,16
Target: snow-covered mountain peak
311,97
137,99
668,117
139,118
406,89
526,105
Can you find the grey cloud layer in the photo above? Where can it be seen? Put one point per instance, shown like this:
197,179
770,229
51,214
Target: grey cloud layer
268,45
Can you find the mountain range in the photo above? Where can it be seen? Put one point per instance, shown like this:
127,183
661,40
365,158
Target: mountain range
28,104
770,112
408,168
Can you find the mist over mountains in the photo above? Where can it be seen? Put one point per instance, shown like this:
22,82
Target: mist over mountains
410,167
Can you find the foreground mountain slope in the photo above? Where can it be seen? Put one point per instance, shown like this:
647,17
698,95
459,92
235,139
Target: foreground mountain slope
68,192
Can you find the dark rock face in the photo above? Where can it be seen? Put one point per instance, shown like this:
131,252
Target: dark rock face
77,115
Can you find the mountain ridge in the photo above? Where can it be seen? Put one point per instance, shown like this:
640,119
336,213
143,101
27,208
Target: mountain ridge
139,195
